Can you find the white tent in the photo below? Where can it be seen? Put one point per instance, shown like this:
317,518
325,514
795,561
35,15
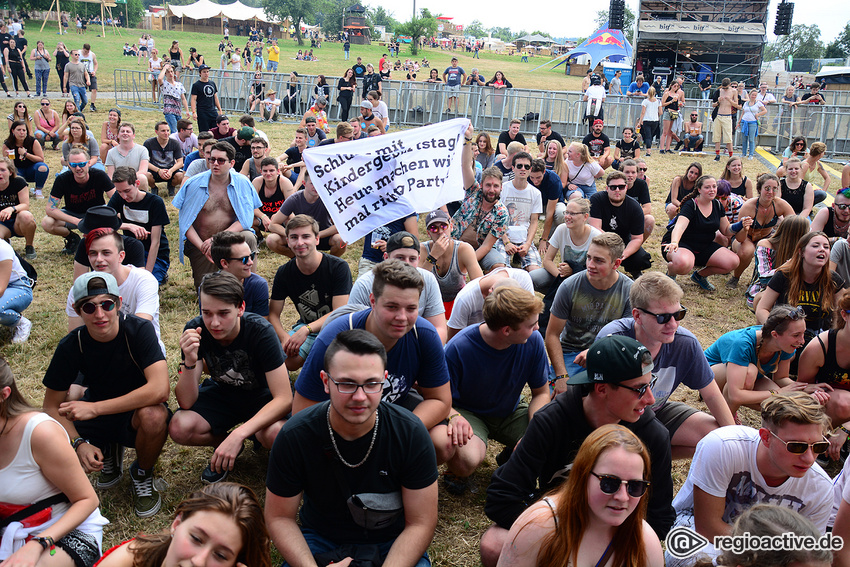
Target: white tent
206,10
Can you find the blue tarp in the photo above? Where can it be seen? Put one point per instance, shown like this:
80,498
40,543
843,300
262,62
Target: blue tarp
604,43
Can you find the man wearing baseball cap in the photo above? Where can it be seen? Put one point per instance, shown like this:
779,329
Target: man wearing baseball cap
315,135
124,371
367,117
615,388
241,142
599,145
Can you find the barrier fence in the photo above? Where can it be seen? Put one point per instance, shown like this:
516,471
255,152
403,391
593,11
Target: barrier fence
416,103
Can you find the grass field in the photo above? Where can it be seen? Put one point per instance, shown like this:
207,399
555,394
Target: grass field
462,520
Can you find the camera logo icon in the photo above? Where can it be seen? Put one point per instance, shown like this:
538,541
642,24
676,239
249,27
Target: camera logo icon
683,542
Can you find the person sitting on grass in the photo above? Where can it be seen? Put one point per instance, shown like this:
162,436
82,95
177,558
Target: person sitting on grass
232,254
15,216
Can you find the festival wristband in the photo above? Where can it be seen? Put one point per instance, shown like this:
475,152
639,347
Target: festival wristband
558,377
737,226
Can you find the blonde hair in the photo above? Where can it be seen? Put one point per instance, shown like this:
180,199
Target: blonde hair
582,151
654,285
797,407
510,307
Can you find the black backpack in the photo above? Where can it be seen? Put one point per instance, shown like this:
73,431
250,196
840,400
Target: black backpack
29,269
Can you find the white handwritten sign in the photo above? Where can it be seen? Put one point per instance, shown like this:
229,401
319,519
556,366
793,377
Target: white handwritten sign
370,182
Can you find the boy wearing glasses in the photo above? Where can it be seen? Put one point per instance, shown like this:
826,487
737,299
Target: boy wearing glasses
737,467
350,451
232,254
317,283
248,383
677,359
834,221
616,388
124,371
525,204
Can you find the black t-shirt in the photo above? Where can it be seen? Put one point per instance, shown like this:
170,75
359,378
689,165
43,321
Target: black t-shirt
4,40
163,157
147,213
627,150
505,138
817,96
370,83
205,93
241,365
293,155
312,295
304,460
596,144
243,153
108,368
134,253
639,192
9,196
359,69
80,198
817,319
701,230
552,136
625,220
705,83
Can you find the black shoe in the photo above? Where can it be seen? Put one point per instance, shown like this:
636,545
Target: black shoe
679,145
717,157
211,477
72,241
455,485
93,108
503,457
29,252
170,191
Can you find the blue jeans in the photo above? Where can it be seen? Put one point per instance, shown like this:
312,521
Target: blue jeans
706,94
160,269
586,190
79,95
572,367
346,55
15,299
319,544
32,174
748,141
172,121
271,66
41,76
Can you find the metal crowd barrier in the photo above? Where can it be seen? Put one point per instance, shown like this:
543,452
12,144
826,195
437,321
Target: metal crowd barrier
416,103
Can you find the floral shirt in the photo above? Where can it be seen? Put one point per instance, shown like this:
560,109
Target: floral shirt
171,97
733,205
494,222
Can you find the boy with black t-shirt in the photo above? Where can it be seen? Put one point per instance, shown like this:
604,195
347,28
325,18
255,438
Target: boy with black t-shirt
315,282
510,135
143,216
292,155
638,190
124,371
599,145
248,383
166,159
204,99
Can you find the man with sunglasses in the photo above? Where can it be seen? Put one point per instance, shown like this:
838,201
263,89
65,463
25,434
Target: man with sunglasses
694,139
736,467
315,282
616,388
247,394
232,254
525,204
317,116
126,380
211,202
677,359
638,189
834,221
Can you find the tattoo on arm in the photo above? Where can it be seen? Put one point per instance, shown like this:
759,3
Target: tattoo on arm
52,202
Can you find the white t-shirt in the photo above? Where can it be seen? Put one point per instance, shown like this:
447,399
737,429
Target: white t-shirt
430,301
584,174
841,490
651,114
139,294
87,60
749,111
521,204
14,28
595,95
186,146
7,253
468,307
724,466
381,111
766,99
271,104
569,251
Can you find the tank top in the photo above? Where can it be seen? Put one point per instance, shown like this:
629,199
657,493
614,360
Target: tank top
742,188
15,57
794,197
831,373
43,123
110,135
61,60
674,106
175,55
272,204
454,280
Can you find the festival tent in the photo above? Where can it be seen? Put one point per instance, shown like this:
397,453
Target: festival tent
204,11
836,78
604,43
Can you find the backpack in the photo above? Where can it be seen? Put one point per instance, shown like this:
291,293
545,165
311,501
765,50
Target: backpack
29,269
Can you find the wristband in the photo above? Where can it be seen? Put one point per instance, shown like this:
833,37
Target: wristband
737,226
558,377
844,429
77,442
431,259
187,367
454,415
309,329
47,543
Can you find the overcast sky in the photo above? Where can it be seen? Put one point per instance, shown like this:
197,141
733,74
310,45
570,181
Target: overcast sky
575,19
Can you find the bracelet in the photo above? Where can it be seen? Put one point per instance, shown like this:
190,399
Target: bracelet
77,442
47,543
454,415
187,367
309,328
558,377
431,259
844,429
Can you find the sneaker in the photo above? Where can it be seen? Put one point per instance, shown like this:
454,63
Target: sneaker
93,108
22,330
29,252
71,243
732,283
702,281
39,194
454,484
146,498
209,476
113,467
170,191
671,275
716,157
679,145
503,457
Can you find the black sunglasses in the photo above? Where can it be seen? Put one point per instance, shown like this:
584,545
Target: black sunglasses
244,259
522,165
90,307
610,484
641,390
800,447
799,312
663,318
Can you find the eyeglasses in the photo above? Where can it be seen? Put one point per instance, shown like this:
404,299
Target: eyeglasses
642,389
617,187
642,168
800,144
371,387
80,164
800,447
244,259
572,214
218,160
90,307
663,318
797,313
522,165
610,484
437,227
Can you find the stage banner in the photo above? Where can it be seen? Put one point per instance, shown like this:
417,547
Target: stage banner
370,182
674,26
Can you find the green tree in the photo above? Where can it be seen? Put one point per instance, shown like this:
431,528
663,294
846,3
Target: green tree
802,43
840,46
381,17
503,33
331,16
628,23
834,50
417,28
296,10
475,29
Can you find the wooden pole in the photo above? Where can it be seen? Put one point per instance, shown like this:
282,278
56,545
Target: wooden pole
102,17
58,17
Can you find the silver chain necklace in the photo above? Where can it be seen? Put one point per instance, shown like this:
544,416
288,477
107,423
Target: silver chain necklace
336,449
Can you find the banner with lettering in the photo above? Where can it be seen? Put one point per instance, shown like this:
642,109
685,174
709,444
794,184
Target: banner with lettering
370,182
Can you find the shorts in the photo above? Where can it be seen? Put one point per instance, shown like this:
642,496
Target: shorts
531,258
453,90
308,342
80,216
701,256
158,179
143,48
104,430
93,79
83,548
225,406
674,414
10,224
668,117
490,259
324,243
723,129
507,430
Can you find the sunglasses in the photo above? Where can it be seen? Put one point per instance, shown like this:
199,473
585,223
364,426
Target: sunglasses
244,259
841,206
800,447
45,104
90,307
610,484
522,165
798,313
437,227
642,389
617,187
663,318
218,160
80,164
642,168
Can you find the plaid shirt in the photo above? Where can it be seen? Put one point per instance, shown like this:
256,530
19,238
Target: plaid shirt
494,222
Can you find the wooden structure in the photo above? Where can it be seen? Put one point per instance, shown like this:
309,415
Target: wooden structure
354,22
105,12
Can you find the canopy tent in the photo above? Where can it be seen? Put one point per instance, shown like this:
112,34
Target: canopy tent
604,43
205,10
834,75
535,38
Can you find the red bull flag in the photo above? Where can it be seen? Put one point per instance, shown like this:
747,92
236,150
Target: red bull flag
604,43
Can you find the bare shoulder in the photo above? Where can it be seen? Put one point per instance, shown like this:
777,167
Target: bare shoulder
652,546
120,556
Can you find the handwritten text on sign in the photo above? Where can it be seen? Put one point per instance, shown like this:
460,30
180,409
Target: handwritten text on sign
374,181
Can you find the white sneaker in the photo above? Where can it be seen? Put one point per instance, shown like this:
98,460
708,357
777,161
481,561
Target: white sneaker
22,330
